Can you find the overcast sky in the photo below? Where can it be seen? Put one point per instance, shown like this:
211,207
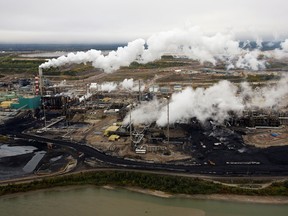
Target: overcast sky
94,21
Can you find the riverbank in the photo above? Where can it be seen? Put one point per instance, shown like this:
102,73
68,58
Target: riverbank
241,198
159,185
275,200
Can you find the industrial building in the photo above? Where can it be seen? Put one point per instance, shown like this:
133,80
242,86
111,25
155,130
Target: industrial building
80,113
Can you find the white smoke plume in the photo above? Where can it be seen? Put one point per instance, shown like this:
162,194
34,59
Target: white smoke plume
106,86
191,42
282,52
126,85
250,61
123,56
85,97
213,103
131,85
147,112
270,96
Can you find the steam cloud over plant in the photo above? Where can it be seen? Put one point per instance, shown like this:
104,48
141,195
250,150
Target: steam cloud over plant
191,42
213,103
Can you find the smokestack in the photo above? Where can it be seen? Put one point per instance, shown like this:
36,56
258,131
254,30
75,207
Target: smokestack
40,80
36,85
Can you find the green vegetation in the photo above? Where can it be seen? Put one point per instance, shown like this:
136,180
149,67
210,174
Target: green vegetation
71,72
157,64
208,78
275,65
12,64
262,77
52,71
3,138
166,183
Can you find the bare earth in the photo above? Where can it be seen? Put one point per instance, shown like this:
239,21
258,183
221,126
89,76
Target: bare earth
263,138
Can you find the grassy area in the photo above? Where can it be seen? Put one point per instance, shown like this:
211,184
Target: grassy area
195,78
277,65
157,64
10,64
3,138
262,77
170,184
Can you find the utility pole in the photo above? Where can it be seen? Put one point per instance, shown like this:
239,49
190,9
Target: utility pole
44,112
139,91
130,126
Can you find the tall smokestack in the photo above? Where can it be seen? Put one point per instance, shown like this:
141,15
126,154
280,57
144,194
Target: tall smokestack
36,89
40,80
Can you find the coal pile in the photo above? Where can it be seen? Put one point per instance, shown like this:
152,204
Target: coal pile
223,149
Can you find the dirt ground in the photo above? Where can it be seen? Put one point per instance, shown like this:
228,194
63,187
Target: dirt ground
122,147
264,138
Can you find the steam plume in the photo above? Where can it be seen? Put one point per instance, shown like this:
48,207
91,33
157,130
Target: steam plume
126,85
213,103
123,56
190,42
282,52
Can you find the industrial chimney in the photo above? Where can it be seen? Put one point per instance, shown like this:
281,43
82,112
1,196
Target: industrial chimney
40,80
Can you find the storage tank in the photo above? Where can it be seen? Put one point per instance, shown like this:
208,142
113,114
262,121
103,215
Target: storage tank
6,104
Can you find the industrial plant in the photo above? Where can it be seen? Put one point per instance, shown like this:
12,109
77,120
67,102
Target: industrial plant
146,121
172,113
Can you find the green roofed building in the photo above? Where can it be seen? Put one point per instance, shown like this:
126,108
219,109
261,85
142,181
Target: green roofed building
32,102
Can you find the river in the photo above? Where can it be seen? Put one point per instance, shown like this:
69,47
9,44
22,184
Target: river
90,200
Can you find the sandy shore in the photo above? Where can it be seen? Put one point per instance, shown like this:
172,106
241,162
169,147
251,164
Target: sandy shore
240,198
149,192
218,197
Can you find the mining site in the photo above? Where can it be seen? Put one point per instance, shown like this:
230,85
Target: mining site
172,114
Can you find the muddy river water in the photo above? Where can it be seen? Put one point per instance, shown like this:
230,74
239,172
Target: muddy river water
95,201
